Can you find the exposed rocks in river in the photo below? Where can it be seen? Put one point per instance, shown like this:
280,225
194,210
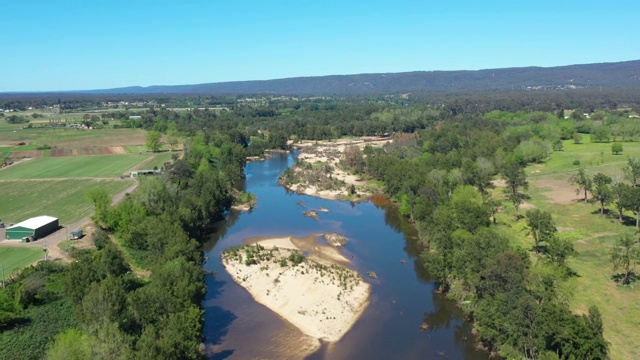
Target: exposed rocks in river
335,239
312,214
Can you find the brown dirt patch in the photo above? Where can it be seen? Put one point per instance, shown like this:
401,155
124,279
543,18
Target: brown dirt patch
118,150
499,183
527,206
26,153
558,191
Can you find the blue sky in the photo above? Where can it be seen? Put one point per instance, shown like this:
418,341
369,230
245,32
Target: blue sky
81,44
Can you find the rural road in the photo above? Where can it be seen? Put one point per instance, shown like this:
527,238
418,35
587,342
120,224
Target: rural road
50,242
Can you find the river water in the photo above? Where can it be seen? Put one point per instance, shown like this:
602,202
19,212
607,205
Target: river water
402,297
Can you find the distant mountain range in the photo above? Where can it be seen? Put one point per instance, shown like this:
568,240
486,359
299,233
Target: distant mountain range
619,75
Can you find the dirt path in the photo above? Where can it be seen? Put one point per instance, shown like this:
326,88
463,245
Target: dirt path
51,242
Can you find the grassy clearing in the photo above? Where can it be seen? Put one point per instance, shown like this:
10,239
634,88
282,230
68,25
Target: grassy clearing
17,258
592,235
73,167
64,199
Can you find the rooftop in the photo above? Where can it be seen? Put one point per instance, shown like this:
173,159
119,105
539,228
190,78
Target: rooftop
35,222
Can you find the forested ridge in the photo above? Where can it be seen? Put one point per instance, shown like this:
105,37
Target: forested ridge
610,75
138,294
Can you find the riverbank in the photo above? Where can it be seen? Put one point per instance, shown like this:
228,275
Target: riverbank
314,292
320,173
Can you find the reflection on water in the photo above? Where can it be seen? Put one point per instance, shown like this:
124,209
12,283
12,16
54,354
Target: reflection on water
379,238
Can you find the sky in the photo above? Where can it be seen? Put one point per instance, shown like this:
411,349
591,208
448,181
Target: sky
50,45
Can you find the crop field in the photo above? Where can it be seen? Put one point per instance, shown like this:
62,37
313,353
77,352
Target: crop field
73,167
64,199
592,235
71,138
156,160
15,258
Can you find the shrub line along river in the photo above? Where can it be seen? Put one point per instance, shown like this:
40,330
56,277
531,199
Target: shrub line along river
402,297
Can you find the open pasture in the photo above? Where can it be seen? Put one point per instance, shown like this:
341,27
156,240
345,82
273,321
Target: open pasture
16,258
594,157
592,235
64,199
73,167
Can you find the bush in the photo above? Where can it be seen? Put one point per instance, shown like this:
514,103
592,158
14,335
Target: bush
616,148
100,239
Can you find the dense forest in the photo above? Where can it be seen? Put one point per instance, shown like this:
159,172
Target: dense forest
439,170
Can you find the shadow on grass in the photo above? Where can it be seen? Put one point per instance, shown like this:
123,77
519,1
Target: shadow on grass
621,277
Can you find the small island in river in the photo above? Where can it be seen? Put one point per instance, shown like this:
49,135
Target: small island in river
316,292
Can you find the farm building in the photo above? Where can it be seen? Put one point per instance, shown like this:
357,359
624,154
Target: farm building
38,227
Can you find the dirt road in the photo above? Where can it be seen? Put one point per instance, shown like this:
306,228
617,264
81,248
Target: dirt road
51,242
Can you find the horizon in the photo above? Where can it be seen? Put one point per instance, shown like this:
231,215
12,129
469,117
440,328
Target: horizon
78,46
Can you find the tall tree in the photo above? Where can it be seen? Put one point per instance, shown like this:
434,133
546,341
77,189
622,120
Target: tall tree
101,203
602,190
618,192
632,171
624,256
154,141
516,181
631,201
541,226
582,181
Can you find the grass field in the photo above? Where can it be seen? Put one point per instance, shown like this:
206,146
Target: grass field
154,160
73,167
592,235
71,138
14,258
64,199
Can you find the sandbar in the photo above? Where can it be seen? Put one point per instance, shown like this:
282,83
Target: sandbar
316,293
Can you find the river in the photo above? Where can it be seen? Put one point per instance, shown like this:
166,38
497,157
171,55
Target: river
402,297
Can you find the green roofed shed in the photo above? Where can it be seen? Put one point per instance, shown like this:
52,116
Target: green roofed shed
38,227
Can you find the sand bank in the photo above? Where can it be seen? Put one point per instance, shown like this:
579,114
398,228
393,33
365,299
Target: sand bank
319,295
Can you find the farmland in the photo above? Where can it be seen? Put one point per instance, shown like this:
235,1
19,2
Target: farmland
73,167
64,198
15,258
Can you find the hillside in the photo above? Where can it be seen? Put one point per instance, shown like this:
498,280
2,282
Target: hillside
620,75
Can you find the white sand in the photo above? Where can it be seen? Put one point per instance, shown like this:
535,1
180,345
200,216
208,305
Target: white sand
311,299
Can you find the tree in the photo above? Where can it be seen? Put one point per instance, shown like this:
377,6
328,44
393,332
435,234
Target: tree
624,256
559,250
154,141
577,138
631,201
71,344
516,179
582,181
616,148
618,192
541,226
602,190
353,158
101,202
632,171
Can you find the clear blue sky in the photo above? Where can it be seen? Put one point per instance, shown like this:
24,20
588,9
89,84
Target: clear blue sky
91,44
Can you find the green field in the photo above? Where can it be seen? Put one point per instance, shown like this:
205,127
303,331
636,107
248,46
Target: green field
16,258
592,235
64,199
155,160
73,167
64,137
